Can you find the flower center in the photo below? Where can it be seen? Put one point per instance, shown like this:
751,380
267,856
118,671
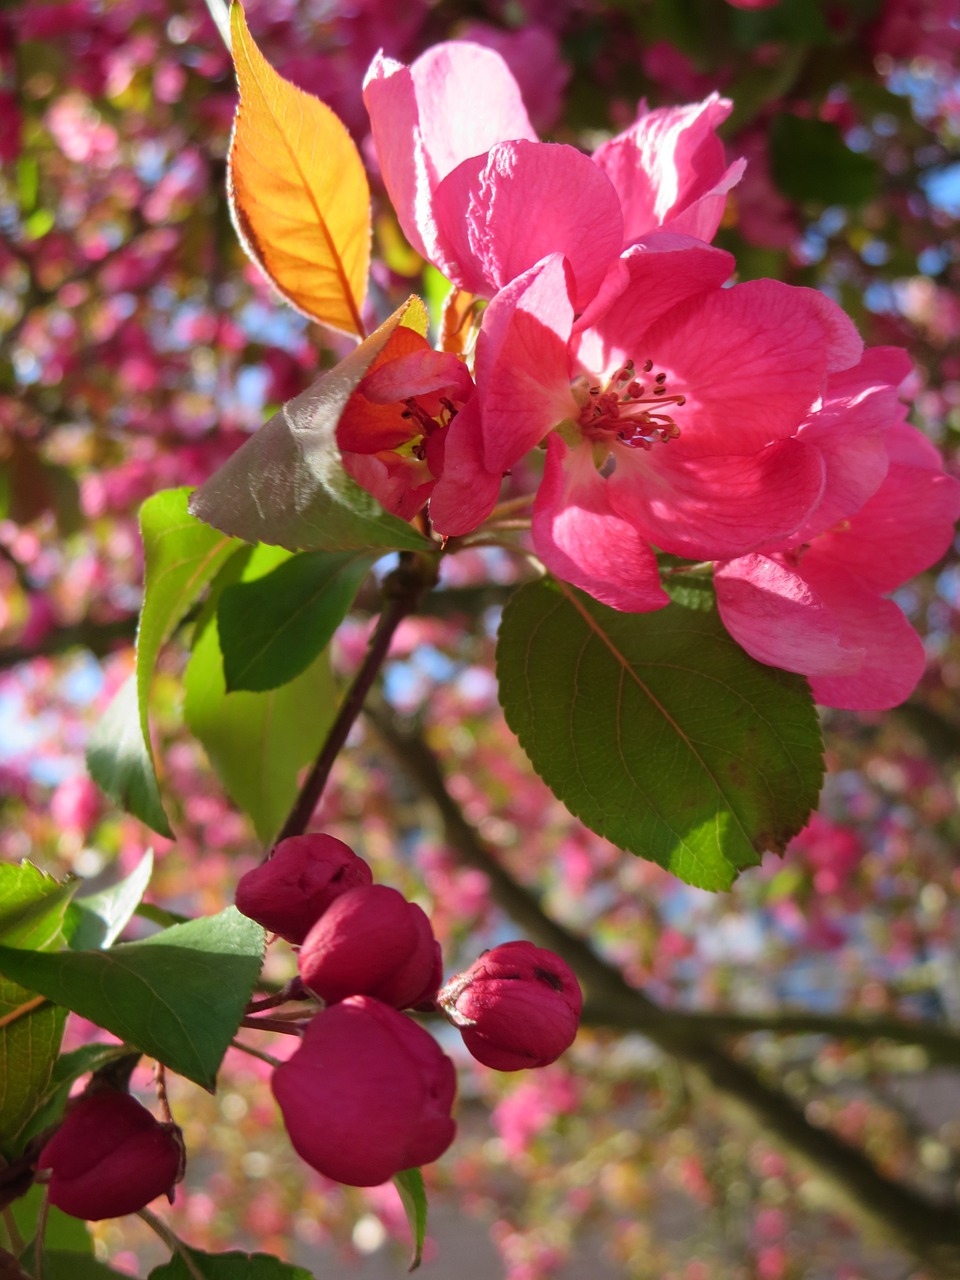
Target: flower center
416,412
627,409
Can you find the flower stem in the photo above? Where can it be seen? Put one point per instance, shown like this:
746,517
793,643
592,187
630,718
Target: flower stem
402,591
172,1241
256,1053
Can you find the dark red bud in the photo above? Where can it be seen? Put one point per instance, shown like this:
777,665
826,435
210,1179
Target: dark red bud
517,1006
110,1157
372,942
368,1093
289,892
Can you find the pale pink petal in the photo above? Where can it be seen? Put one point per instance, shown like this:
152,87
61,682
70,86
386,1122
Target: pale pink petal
751,361
649,278
454,102
583,541
774,614
501,213
844,344
665,162
466,492
904,528
894,657
522,366
716,508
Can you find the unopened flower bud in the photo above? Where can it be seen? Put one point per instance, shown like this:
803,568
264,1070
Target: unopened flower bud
372,942
110,1156
517,1006
367,1094
289,892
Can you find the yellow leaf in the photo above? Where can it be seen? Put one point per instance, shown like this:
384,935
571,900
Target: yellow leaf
298,192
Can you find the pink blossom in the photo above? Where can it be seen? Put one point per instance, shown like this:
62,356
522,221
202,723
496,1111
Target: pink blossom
815,602
479,197
670,410
535,60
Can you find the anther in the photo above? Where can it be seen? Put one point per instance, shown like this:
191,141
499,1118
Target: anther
660,378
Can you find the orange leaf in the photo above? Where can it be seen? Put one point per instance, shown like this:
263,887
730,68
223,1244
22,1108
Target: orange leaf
298,192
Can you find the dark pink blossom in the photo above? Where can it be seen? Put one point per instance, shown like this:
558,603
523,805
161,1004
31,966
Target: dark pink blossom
367,1094
372,942
517,1006
289,892
110,1157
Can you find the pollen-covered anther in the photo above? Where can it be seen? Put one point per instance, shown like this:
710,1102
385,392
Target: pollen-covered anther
621,408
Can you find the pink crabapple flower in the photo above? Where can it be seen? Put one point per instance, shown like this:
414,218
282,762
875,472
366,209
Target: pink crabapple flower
367,1094
303,876
479,197
816,602
669,410
110,1157
517,1006
392,429
372,942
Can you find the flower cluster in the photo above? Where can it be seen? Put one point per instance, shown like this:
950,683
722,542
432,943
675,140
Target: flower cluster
739,425
368,1092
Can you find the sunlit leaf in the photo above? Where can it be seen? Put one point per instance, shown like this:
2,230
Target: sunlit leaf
177,996
409,1184
98,919
298,191
257,742
227,1266
658,731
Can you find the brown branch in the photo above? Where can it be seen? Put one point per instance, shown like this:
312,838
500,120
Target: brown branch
880,1205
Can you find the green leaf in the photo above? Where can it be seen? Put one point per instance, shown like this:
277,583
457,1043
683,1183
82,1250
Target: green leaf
272,628
257,742
658,731
62,1233
31,916
58,1265
287,487
100,918
228,1266
409,1183
121,762
809,160
177,996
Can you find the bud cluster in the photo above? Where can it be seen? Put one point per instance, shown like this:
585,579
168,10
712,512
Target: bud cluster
368,1092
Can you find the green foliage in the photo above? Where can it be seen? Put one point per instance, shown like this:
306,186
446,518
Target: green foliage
98,919
257,742
177,996
227,1266
31,915
63,1234
409,1184
658,731
809,160
272,628
120,760
287,486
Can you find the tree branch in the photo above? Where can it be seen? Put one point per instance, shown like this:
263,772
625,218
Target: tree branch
881,1206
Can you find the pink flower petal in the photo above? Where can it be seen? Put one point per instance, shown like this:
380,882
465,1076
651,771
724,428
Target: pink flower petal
774,614
649,278
904,528
501,213
583,541
416,374
894,658
667,161
716,508
466,492
523,370
750,360
454,102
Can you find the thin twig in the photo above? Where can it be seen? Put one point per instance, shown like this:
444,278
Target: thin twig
172,1241
256,1053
